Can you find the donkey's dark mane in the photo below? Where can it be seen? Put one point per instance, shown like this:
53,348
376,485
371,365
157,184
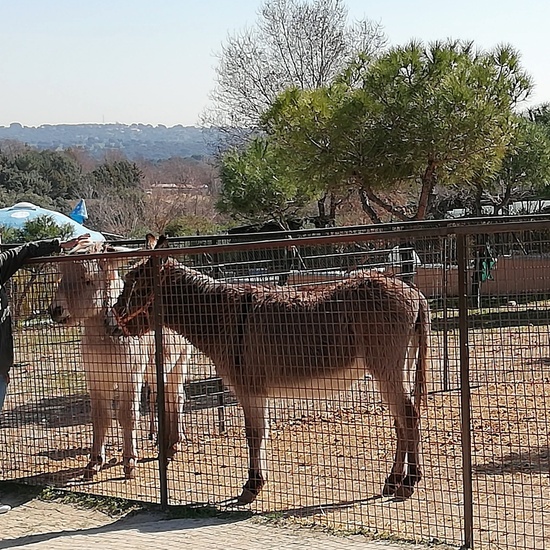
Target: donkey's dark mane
291,297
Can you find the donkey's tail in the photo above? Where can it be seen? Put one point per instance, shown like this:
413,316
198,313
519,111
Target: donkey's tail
422,330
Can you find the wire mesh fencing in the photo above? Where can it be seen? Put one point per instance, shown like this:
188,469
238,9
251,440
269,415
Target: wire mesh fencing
288,376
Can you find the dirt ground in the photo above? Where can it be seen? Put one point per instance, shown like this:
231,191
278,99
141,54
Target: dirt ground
326,460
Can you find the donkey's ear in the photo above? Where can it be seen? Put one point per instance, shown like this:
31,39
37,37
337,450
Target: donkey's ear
162,242
150,241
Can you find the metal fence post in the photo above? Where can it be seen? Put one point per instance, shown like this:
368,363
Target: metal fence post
446,263
159,364
465,396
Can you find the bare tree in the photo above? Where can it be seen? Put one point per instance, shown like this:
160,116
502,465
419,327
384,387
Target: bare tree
163,206
302,43
118,215
12,148
166,207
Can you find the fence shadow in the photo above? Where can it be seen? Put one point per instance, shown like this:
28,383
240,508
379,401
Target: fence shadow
308,511
62,454
68,476
60,478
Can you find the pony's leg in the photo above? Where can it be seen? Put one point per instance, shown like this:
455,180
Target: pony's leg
255,419
147,406
150,376
128,414
153,428
175,393
175,397
100,402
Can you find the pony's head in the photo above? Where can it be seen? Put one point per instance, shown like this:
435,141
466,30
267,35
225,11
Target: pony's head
87,286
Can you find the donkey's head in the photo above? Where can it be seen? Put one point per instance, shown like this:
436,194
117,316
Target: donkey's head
87,287
131,315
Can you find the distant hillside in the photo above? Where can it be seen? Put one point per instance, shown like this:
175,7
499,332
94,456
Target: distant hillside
135,141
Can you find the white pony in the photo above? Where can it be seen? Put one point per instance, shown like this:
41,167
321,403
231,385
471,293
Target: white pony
117,366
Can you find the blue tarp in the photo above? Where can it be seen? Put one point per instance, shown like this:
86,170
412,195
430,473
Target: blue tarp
18,214
79,213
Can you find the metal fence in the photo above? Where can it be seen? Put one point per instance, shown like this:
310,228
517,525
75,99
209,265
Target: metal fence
484,429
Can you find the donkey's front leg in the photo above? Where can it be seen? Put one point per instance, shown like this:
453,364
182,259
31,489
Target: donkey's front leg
255,419
175,401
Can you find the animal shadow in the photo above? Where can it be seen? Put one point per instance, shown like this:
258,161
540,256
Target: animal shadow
53,412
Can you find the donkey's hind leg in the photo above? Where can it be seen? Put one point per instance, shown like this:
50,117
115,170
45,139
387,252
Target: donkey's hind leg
400,482
255,417
412,437
397,473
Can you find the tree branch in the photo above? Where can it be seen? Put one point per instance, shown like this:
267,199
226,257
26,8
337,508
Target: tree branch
367,208
393,210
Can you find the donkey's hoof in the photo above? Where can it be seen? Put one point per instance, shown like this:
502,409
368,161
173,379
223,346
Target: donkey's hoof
88,474
129,469
246,497
406,489
171,451
391,485
91,470
404,492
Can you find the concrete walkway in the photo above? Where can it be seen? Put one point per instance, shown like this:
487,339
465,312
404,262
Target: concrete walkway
196,534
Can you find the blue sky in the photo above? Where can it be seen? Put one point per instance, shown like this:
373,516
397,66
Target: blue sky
77,61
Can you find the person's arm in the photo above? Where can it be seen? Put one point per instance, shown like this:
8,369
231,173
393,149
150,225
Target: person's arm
11,260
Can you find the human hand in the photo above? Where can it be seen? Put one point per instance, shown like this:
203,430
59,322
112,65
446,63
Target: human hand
77,241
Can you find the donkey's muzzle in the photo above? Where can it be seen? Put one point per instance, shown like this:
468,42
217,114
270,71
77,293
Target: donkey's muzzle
57,314
111,325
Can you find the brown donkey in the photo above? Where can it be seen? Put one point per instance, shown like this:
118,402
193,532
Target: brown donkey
288,343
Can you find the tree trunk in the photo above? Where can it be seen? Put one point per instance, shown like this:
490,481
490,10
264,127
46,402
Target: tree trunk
334,203
426,193
324,219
